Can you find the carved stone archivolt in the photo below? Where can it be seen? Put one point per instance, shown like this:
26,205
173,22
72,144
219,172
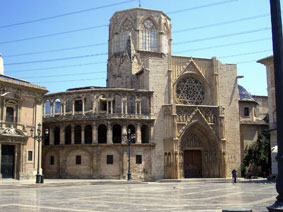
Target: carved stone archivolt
190,141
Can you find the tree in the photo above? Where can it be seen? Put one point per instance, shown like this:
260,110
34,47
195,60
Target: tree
257,157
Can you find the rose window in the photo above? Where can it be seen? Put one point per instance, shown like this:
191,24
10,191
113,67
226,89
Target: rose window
190,91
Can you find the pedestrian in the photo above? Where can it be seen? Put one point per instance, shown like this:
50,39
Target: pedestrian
234,176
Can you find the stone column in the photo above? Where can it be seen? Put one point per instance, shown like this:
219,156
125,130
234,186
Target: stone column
72,134
96,107
107,105
83,105
64,108
111,106
53,108
73,107
136,107
94,133
138,134
124,132
150,105
151,133
62,134
83,134
109,134
93,104
126,106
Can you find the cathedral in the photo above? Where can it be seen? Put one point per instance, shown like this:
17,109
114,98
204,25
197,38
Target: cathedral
160,115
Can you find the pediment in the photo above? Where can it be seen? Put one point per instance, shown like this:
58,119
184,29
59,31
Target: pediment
12,96
192,67
11,131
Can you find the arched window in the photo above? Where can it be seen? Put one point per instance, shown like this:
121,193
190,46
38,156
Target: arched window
68,135
132,130
165,159
56,136
57,106
144,134
78,105
9,114
131,105
47,107
78,134
117,134
102,134
148,37
68,106
88,134
169,159
145,105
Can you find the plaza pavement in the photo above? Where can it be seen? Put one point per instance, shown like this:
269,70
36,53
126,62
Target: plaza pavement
198,195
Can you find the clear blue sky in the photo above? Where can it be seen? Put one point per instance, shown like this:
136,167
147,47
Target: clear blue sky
233,31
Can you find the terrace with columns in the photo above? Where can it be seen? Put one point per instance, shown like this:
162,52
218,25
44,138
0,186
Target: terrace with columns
95,115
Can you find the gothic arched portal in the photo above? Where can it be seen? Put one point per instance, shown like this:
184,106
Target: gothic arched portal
200,152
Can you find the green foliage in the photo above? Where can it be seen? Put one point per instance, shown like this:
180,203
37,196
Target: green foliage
257,157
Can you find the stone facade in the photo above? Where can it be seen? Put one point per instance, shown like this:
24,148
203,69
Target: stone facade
253,117
20,110
268,62
184,111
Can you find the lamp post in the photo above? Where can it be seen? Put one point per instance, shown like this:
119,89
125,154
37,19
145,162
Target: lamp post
276,23
130,139
38,137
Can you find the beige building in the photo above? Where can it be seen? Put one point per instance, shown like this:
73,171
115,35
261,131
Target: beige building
268,62
20,110
253,117
184,111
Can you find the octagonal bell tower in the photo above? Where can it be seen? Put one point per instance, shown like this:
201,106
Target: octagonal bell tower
134,36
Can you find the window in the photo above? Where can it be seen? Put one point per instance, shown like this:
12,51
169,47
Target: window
148,37
9,114
29,155
78,159
109,159
190,91
78,105
51,160
246,111
138,159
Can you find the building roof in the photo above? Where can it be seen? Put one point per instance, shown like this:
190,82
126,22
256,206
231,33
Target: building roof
266,59
244,94
20,82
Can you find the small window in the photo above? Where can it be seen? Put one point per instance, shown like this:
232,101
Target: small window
51,160
246,111
29,155
109,159
9,114
78,160
138,159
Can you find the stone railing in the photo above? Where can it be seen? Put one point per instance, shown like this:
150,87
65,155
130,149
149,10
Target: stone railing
89,115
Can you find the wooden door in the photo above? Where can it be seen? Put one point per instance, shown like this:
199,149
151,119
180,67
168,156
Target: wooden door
7,161
192,163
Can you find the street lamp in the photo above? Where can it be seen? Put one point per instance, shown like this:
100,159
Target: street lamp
38,137
130,139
